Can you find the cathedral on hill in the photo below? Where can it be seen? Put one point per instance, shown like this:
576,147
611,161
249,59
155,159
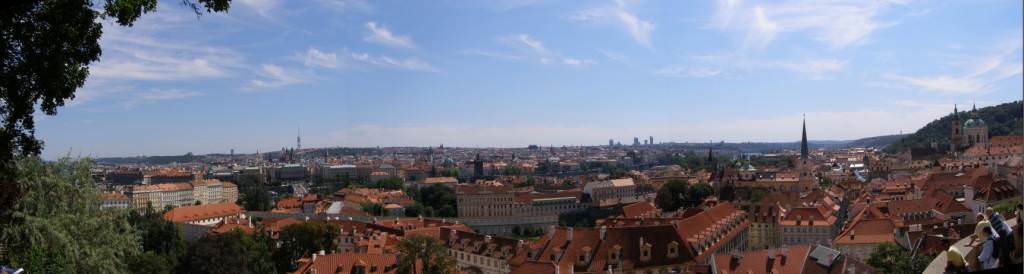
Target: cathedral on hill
967,133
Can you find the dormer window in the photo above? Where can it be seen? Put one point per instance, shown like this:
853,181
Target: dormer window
645,252
673,249
615,254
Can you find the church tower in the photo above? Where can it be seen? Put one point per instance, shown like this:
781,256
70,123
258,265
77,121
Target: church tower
956,137
807,181
803,141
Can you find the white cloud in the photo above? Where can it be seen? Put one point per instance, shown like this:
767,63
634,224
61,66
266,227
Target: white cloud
413,64
684,71
347,5
275,76
491,54
129,56
261,7
167,94
614,56
839,24
639,29
943,83
577,62
980,73
816,69
316,58
381,35
156,95
533,44
542,53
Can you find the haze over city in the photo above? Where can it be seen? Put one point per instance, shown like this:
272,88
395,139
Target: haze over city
514,73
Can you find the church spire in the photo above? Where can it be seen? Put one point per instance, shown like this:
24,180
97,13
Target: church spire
803,140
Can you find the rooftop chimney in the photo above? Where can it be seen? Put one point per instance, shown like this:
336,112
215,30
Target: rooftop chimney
604,230
569,237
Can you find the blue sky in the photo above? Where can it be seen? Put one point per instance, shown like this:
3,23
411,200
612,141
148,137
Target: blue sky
512,73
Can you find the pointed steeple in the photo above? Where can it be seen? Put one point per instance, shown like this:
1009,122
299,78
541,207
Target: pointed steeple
803,140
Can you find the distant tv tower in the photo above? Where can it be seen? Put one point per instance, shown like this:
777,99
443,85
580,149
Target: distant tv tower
298,139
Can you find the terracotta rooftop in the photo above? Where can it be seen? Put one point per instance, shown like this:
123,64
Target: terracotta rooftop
194,213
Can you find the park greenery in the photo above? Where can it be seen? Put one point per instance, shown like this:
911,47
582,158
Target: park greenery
891,258
677,194
432,201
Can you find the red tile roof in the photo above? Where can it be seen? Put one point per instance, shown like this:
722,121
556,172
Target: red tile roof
345,262
194,213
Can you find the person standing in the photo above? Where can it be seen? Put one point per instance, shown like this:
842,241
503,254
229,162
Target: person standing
1004,233
987,256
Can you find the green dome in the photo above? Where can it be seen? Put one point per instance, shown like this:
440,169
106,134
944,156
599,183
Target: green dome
974,123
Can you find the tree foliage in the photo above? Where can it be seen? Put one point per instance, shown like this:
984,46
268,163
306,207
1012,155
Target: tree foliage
58,225
1003,119
47,47
431,254
256,198
162,243
727,193
393,183
699,191
891,258
302,239
438,200
671,196
232,252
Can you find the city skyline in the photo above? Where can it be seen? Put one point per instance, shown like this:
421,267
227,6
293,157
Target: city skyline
514,73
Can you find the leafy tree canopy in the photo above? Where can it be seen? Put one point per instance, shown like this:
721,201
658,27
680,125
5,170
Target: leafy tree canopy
47,47
58,225
891,258
431,254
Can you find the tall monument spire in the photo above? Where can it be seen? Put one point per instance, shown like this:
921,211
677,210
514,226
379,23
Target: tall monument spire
803,140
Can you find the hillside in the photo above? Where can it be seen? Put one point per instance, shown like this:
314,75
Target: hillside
1003,119
876,142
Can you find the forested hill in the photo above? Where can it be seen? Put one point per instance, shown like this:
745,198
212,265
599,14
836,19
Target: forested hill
1003,119
877,141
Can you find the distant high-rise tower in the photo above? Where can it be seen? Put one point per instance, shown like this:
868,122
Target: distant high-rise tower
651,139
636,141
298,139
803,141
611,142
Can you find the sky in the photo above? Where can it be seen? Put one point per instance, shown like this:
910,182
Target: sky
510,73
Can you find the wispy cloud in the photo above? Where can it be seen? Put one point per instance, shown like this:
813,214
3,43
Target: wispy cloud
533,44
346,59
542,53
815,69
689,72
382,35
157,95
619,14
316,58
413,64
347,5
978,73
140,57
614,56
577,62
491,54
274,76
261,7
839,24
